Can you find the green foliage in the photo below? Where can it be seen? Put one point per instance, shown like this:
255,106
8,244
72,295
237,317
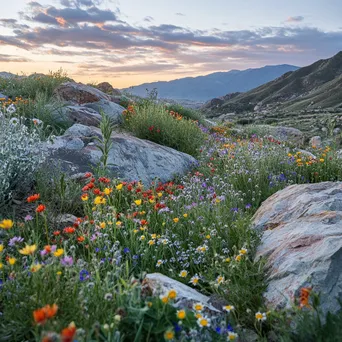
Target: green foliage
29,86
188,113
149,120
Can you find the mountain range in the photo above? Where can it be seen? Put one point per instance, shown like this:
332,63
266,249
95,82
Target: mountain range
315,86
203,88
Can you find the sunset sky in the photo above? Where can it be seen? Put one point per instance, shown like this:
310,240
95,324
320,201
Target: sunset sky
129,42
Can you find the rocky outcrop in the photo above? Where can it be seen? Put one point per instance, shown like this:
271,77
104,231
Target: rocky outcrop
77,114
316,141
111,109
288,134
130,158
108,89
302,240
78,93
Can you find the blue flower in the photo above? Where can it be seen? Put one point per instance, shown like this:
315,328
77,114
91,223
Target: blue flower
126,250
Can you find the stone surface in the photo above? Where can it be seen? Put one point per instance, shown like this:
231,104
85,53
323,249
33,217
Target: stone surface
302,240
3,96
289,134
111,109
78,114
130,158
160,284
79,93
108,89
316,141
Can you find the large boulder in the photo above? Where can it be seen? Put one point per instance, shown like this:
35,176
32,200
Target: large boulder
129,158
111,109
302,240
78,93
77,114
108,89
316,141
288,134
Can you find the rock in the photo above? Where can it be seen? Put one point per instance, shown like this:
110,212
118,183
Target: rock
337,131
339,154
316,141
3,96
113,110
306,153
129,158
210,123
65,220
289,134
160,284
302,240
77,114
108,89
79,93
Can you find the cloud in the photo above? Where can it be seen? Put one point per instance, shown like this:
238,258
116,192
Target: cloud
12,59
148,19
295,19
180,14
13,24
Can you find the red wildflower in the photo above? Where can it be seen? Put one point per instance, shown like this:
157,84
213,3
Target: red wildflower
90,185
40,208
69,230
80,239
304,296
33,198
88,175
56,233
104,180
143,222
41,315
84,189
67,334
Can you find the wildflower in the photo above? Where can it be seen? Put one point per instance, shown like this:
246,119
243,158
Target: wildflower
84,197
220,280
138,202
203,322
28,218
172,294
304,296
40,208
176,219
228,308
238,257
208,237
118,223
28,250
41,315
15,240
80,238
260,316
12,261
181,314
59,252
103,225
33,198
227,259
1,265
6,224
321,160
1,248
107,191
69,230
159,263
198,307
169,335
117,318
232,336
99,200
142,238
108,296
243,251
185,215
119,186
194,280
67,261
151,242
35,268
183,273
67,334
164,299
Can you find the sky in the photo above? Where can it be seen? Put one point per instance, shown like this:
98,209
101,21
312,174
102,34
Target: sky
129,42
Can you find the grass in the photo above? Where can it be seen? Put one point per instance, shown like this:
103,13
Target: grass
188,113
152,121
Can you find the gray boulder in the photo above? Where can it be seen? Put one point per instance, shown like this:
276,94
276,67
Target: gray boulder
288,134
316,141
130,158
3,96
78,93
302,240
111,109
77,114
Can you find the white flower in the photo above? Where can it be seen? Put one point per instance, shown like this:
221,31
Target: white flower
11,109
232,336
37,121
14,121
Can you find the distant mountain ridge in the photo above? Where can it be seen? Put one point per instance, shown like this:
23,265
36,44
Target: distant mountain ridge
318,85
203,88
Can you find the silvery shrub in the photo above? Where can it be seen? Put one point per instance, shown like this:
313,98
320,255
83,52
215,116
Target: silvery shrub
21,154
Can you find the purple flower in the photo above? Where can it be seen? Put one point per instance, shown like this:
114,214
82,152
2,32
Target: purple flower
15,240
28,218
248,206
234,210
126,250
67,261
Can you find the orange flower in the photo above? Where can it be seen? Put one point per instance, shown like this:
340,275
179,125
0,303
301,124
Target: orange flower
40,208
68,333
80,239
43,314
69,230
304,296
33,198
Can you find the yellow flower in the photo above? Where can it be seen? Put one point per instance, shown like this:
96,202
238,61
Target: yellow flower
142,237
119,186
28,250
1,265
169,335
181,314
176,219
138,202
59,273
59,252
103,225
135,231
238,257
321,160
227,260
207,237
159,194
107,191
118,223
99,200
194,280
172,294
260,316
185,215
165,299
149,304
1,248
243,251
12,261
198,307
153,236
232,336
84,197
203,322
198,315
151,242
35,268
183,273
228,308
6,224
220,279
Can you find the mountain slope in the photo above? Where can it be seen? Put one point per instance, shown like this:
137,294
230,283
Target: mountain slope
316,85
203,88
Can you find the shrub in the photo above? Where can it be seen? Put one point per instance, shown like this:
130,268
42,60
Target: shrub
152,121
187,113
20,156
28,86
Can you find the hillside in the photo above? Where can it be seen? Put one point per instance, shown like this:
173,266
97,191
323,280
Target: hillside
203,88
316,85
